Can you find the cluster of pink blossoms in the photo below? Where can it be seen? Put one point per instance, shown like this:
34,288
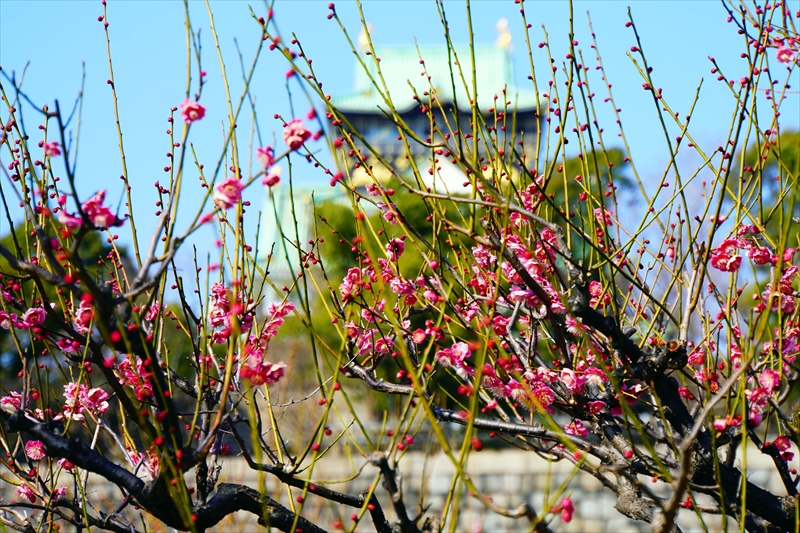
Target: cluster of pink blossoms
455,358
759,390
369,341
228,192
26,492
32,318
787,50
221,311
272,172
726,258
150,462
781,296
758,397
133,372
533,392
52,149
99,215
787,343
255,368
78,398
783,444
537,263
295,134
83,315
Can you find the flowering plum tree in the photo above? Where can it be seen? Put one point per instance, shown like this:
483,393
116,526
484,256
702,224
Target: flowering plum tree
622,344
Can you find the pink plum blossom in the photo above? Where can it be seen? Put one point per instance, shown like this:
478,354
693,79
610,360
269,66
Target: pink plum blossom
259,372
389,214
271,177
149,461
12,403
83,316
769,379
7,320
153,311
70,221
453,356
596,406
99,215
34,449
576,428
574,382
66,465
52,149
255,368
227,193
265,156
395,248
603,216
295,133
595,376
785,55
725,257
34,317
131,372
278,312
759,254
26,492
500,324
78,398
720,424
783,444
598,298
535,396
191,111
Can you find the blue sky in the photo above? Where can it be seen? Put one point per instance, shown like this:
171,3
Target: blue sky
148,49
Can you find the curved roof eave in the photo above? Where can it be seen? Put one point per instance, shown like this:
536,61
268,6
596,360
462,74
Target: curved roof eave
373,103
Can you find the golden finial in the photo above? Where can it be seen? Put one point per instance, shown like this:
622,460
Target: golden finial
364,37
503,35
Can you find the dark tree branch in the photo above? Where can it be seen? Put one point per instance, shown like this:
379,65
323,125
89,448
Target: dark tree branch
395,492
780,465
231,498
74,451
539,432
154,495
376,513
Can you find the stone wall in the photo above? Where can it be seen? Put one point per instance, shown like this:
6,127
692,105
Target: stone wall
510,477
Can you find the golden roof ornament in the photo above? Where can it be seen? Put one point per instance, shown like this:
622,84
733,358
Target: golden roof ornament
503,35
364,37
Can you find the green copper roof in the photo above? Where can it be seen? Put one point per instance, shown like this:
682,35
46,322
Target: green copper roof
400,65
